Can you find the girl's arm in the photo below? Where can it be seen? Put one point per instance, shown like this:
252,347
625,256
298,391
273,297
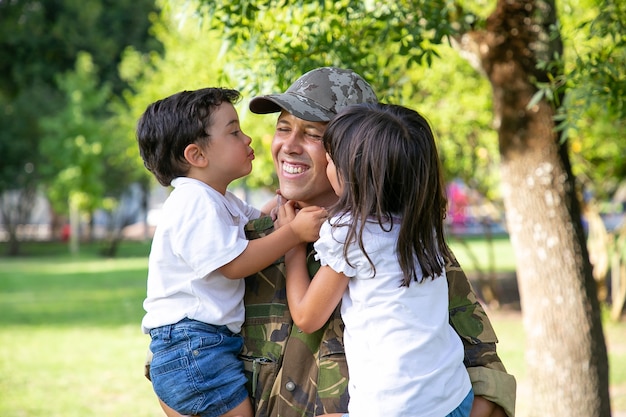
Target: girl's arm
311,302
262,252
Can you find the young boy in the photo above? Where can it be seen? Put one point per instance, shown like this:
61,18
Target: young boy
194,306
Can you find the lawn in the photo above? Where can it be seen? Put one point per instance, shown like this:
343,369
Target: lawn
71,345
70,340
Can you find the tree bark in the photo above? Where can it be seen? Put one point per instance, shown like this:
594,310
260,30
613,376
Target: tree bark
566,353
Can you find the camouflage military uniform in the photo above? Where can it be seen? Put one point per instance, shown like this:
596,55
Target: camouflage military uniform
294,374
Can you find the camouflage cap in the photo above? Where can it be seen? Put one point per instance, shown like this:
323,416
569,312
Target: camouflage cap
318,95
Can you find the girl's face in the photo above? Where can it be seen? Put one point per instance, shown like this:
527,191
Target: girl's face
333,176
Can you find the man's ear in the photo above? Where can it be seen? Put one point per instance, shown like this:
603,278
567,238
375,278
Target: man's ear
195,155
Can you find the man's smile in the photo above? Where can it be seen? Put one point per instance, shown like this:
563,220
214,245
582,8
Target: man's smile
293,169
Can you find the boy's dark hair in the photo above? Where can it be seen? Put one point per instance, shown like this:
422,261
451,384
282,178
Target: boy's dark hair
169,125
387,162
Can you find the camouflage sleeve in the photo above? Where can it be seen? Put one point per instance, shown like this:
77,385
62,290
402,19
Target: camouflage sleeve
468,318
494,385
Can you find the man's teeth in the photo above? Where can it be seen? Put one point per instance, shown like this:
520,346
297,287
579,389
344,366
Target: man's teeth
290,169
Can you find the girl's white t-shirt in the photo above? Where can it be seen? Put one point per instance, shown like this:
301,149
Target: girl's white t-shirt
200,230
403,356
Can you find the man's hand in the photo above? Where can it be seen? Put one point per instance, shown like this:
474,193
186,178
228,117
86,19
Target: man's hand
481,407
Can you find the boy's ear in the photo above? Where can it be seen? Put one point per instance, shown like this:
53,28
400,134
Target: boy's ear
195,155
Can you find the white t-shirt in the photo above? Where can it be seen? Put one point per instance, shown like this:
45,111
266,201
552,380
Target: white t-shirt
403,356
200,230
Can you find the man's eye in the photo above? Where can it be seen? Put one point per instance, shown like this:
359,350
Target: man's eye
314,137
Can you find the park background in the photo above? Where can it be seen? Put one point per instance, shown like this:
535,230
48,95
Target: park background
77,206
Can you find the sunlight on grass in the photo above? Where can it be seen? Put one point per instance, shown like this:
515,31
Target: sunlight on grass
67,266
82,371
473,253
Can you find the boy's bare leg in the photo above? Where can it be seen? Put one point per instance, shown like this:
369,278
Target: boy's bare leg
242,410
169,412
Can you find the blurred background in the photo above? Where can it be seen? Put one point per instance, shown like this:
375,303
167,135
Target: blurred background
78,209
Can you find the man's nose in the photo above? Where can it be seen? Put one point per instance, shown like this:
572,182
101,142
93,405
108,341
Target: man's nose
292,142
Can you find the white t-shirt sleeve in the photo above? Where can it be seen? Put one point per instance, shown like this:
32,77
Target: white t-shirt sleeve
329,248
248,211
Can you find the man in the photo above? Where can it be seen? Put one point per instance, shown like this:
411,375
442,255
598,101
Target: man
294,374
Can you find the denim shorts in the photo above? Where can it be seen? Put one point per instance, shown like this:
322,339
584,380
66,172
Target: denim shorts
195,368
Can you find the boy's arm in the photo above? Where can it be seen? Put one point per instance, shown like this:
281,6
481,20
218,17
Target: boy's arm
262,252
468,318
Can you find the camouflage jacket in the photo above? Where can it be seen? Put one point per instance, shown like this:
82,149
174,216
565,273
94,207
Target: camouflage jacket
294,374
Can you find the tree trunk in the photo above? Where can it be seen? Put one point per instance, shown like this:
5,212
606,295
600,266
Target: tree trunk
566,353
16,207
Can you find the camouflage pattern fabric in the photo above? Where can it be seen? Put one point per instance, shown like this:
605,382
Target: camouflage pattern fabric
294,374
318,95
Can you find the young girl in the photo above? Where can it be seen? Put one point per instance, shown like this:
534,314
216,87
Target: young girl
194,307
382,254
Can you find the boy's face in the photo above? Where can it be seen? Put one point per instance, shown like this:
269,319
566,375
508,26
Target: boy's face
300,161
229,152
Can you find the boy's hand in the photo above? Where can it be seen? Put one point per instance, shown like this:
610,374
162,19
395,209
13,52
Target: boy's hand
305,222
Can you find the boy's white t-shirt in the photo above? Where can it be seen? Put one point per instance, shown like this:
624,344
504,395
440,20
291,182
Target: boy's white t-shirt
200,230
403,356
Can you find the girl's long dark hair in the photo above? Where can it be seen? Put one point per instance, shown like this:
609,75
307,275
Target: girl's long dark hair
387,162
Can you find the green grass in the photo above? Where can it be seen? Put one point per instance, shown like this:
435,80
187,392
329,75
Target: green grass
71,344
475,253
70,338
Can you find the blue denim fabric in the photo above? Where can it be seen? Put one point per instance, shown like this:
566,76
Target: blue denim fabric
463,410
195,369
